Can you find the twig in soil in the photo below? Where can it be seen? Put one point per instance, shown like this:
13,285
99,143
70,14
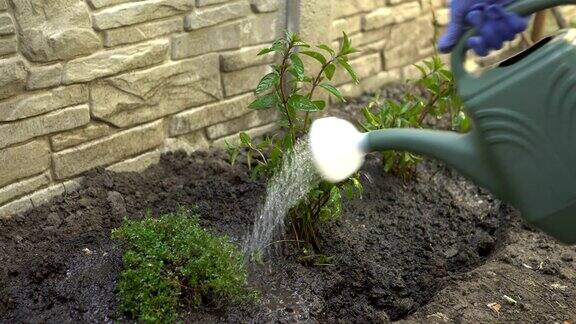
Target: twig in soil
510,300
278,242
528,290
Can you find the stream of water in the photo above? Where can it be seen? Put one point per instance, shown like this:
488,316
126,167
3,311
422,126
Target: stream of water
294,180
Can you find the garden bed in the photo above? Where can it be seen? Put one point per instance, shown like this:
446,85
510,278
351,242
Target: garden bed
434,248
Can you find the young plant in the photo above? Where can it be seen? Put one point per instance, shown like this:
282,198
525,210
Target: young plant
413,111
290,89
171,263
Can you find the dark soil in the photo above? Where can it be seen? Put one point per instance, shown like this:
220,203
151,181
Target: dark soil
433,249
405,248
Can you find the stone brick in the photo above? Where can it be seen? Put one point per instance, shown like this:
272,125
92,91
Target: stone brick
370,37
243,81
419,32
97,4
23,161
400,55
253,119
443,16
197,140
142,32
352,7
44,196
407,11
12,77
136,12
350,26
204,40
57,121
369,49
108,150
115,61
72,185
202,3
189,143
78,136
28,105
262,28
410,72
137,164
142,96
375,82
55,29
253,133
8,45
265,5
211,16
198,118
245,57
3,5
364,66
6,24
45,76
18,206
391,15
405,41
23,187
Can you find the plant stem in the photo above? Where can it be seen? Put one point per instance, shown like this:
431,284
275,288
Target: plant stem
429,106
315,84
283,69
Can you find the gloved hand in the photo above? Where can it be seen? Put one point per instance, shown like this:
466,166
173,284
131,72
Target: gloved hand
494,25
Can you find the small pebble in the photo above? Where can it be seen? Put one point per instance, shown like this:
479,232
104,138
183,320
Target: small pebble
87,251
53,219
567,258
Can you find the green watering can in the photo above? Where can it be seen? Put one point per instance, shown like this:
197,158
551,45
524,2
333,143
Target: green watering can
523,144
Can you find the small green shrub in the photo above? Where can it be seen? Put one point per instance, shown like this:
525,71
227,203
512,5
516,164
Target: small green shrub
412,110
171,263
290,89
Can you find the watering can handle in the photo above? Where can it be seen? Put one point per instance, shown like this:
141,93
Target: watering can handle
521,7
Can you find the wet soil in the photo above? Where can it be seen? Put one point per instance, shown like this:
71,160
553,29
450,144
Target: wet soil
436,248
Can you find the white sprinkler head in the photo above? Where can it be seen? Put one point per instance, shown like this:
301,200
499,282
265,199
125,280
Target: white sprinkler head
336,147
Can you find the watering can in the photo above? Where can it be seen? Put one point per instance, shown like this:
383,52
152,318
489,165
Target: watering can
522,146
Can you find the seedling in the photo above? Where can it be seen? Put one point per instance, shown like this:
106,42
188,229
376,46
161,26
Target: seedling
413,111
290,89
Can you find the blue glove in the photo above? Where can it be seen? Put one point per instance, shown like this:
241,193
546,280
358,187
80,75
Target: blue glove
494,25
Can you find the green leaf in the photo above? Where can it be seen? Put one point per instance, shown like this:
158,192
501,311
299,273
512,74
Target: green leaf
301,103
346,46
344,63
329,71
321,104
330,88
245,139
345,43
297,64
370,117
327,49
315,55
267,82
265,102
265,51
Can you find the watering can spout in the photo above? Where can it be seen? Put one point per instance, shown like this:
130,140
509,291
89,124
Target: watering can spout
460,151
338,149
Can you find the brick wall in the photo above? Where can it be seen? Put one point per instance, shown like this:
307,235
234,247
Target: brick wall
114,83
391,34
